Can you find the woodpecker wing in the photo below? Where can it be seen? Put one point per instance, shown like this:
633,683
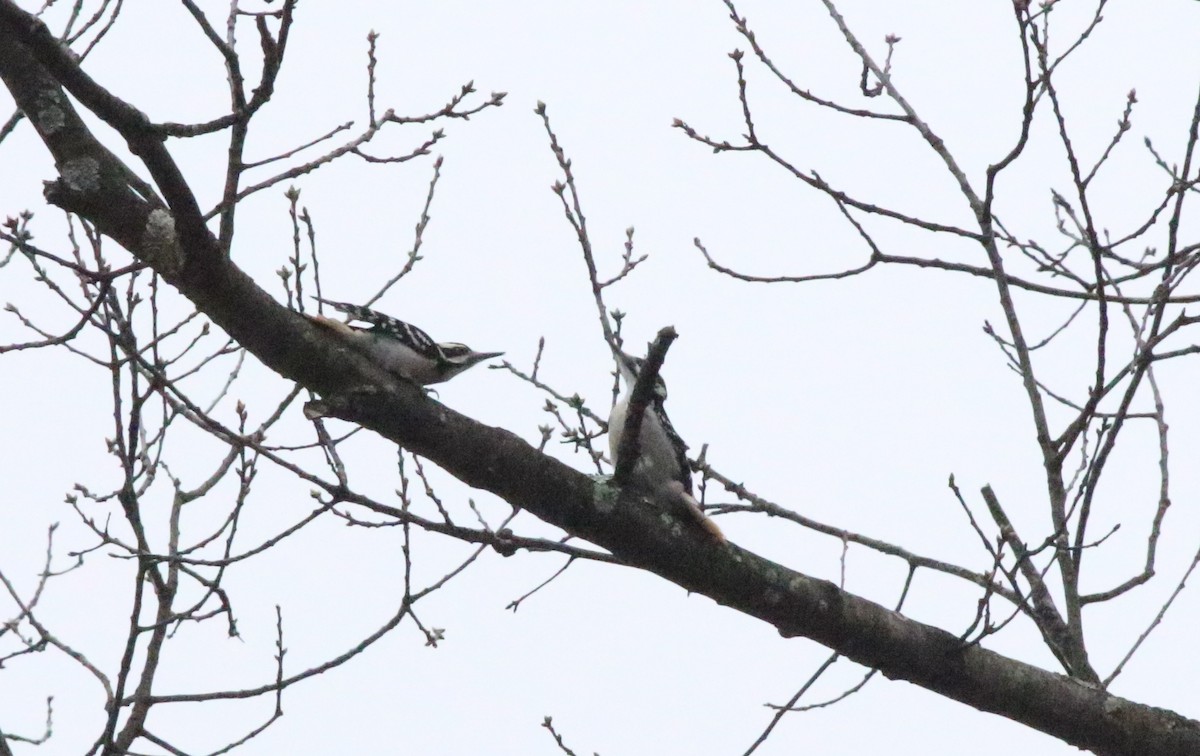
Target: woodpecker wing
386,325
677,443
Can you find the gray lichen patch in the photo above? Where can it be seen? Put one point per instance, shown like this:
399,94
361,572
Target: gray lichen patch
160,246
604,494
49,117
672,524
82,175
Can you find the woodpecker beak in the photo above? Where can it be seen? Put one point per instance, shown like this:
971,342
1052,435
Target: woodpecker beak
474,358
460,363
628,365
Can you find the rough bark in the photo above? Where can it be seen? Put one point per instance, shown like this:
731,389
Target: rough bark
170,235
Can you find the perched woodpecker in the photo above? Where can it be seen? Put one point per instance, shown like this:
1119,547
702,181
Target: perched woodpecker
662,466
401,348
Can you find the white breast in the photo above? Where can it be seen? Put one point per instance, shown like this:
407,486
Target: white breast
658,464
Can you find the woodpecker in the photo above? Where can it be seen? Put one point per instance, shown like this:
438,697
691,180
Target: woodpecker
662,466
401,348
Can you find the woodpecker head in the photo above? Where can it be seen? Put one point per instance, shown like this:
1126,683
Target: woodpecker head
459,357
631,368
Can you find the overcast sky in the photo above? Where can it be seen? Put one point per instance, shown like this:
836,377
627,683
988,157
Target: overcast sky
850,401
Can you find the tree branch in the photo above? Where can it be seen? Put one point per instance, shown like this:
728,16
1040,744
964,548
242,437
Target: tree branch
497,460
640,394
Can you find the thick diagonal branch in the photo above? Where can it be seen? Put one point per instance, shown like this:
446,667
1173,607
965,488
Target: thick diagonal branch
496,460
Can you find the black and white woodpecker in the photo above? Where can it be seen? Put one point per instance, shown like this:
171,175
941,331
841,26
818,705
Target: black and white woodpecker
401,348
662,465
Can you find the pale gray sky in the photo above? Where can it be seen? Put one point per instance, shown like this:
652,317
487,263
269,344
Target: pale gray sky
851,401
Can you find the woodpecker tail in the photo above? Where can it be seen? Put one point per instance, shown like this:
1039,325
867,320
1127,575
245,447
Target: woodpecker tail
334,325
693,508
